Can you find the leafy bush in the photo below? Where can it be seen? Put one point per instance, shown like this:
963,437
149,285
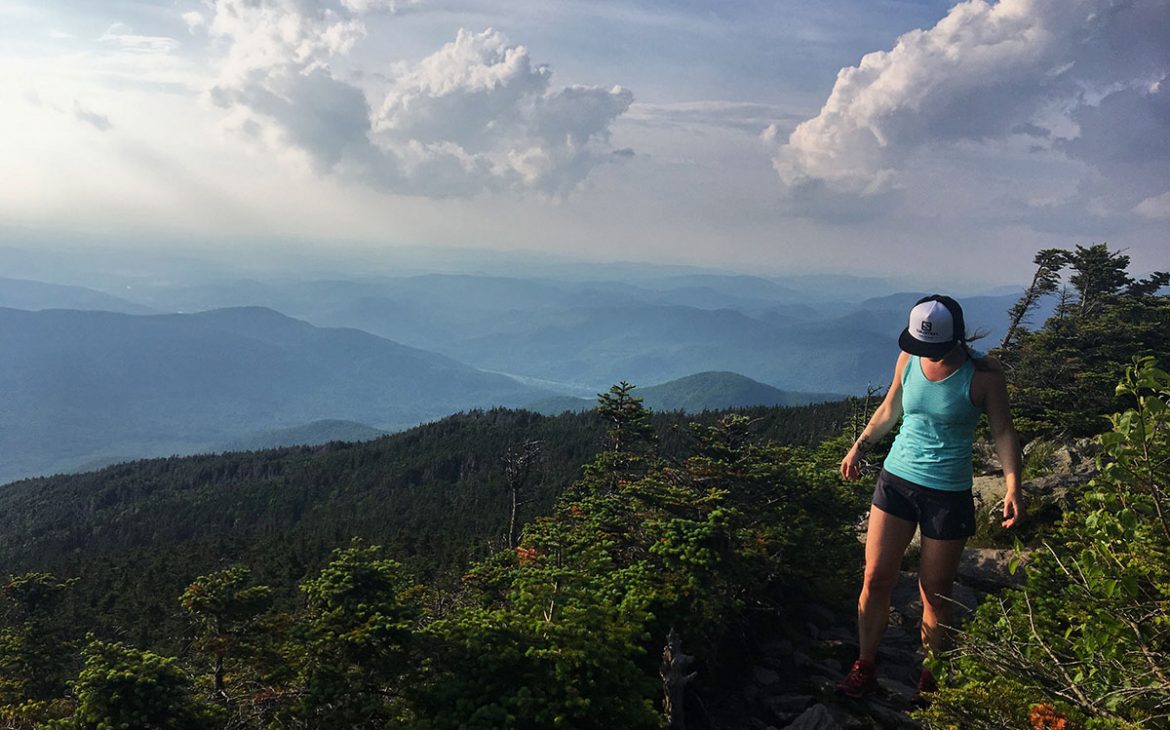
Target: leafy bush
1086,642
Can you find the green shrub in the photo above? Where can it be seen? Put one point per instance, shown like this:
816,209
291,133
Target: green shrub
1088,637
123,688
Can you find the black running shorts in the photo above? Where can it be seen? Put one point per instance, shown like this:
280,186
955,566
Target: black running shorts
942,514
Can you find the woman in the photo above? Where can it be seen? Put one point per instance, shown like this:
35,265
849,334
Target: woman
940,389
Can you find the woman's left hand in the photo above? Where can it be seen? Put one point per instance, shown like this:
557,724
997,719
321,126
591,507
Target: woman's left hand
1013,508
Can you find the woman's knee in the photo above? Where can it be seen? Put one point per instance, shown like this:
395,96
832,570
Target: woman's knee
879,580
936,593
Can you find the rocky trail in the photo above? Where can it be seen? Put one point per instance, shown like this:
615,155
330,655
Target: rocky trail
792,684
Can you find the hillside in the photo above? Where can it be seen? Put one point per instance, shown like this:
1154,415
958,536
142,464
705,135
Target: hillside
434,494
83,386
697,393
28,294
309,434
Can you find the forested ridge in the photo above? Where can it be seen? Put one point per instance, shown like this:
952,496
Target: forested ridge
227,591
436,496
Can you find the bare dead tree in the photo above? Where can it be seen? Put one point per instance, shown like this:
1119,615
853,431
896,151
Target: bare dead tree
675,679
859,419
518,463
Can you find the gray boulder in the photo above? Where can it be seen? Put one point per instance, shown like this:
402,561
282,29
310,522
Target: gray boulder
816,717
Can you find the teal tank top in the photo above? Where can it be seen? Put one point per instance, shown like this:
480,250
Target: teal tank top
933,447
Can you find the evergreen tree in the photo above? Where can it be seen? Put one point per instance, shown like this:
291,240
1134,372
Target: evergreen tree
355,640
123,688
629,440
36,654
1062,376
225,606
1045,281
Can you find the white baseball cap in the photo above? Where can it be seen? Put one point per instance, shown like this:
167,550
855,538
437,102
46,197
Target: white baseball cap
936,325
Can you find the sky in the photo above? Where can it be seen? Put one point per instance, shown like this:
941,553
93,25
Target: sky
947,142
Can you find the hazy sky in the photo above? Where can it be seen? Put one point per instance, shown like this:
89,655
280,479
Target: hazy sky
863,136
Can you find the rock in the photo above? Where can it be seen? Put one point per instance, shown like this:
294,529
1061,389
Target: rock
906,601
987,568
842,651
840,633
823,684
816,717
766,694
764,676
750,693
893,656
889,717
900,634
966,600
986,460
821,614
790,704
989,491
1057,486
897,689
782,647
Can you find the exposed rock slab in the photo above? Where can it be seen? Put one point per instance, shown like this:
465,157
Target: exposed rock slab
989,569
817,717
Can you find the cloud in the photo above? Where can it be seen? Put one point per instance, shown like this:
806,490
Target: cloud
475,115
99,122
747,117
194,20
1086,78
1156,207
366,6
126,39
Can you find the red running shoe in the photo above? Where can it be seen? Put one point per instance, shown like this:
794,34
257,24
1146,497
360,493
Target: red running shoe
926,687
861,680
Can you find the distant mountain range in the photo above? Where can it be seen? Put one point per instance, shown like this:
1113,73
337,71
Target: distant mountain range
285,359
26,294
309,434
708,391
82,387
580,336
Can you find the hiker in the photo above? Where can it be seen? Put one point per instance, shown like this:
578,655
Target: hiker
941,386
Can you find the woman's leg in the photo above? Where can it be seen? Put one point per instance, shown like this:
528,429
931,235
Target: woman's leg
936,577
885,544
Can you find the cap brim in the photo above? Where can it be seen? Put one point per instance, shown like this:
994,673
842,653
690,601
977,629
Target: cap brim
909,343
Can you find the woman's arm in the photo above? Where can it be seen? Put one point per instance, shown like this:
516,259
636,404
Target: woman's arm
884,418
1007,442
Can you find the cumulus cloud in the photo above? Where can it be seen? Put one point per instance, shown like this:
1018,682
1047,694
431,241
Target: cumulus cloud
475,115
194,20
1084,78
